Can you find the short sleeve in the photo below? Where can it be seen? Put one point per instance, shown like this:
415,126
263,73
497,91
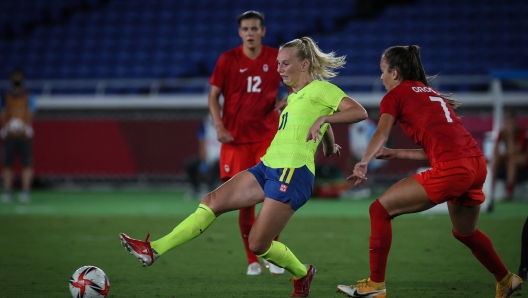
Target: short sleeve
334,96
219,72
389,106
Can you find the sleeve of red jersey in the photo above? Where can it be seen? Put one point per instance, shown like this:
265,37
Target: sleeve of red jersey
390,106
219,72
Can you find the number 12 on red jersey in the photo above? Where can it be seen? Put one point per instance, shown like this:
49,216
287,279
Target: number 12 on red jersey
253,84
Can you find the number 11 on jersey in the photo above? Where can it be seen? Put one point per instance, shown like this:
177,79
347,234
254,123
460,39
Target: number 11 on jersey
284,120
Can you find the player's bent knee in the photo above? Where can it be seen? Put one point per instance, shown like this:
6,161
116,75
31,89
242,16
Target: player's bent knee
213,201
376,210
462,237
208,199
258,247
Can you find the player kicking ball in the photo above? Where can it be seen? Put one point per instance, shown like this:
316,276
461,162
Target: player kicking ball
284,178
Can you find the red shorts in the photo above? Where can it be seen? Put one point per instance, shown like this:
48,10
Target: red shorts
459,181
237,158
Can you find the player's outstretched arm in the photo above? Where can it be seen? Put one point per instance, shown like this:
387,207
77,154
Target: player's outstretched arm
410,154
378,140
349,111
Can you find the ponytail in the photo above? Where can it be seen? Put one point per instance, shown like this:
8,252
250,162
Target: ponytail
407,60
323,66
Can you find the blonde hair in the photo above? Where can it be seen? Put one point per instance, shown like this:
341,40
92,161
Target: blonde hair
322,65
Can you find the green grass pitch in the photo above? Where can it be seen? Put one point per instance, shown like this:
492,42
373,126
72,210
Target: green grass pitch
44,242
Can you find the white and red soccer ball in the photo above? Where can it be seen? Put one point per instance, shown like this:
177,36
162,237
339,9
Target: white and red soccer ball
89,282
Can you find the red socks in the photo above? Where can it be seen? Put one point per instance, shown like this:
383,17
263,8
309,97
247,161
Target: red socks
380,241
246,218
483,250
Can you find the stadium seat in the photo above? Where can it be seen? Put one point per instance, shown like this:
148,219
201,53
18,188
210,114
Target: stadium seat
140,38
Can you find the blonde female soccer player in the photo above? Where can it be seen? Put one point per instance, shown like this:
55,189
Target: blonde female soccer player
284,178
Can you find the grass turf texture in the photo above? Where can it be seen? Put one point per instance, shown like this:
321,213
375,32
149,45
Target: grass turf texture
44,242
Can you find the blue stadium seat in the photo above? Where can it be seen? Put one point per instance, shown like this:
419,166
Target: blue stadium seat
180,38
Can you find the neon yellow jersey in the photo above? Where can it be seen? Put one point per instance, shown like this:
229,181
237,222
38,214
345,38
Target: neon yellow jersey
289,148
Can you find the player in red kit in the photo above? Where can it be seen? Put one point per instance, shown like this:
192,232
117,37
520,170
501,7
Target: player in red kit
246,76
457,174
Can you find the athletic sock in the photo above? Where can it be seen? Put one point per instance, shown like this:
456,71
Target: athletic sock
282,256
380,241
246,219
190,228
483,250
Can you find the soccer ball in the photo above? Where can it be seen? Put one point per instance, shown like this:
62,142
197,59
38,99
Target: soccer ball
89,282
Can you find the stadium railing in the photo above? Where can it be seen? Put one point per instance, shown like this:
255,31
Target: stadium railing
191,93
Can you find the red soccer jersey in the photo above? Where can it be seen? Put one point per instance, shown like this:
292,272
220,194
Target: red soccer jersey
249,88
429,120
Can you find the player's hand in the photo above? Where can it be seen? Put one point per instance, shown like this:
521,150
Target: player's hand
223,135
336,150
315,131
385,153
281,104
360,172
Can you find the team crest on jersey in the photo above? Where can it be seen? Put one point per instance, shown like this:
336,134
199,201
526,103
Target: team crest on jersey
227,169
283,187
265,67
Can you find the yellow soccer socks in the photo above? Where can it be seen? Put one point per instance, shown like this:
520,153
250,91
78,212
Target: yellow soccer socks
282,256
187,230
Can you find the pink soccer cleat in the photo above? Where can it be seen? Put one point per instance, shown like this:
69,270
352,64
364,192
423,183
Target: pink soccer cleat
140,249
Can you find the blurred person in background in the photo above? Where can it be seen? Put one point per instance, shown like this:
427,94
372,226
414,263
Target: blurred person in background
510,154
17,110
283,180
203,168
247,121
457,174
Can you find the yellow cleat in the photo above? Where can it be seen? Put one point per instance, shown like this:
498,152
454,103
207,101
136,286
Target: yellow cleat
509,284
365,289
